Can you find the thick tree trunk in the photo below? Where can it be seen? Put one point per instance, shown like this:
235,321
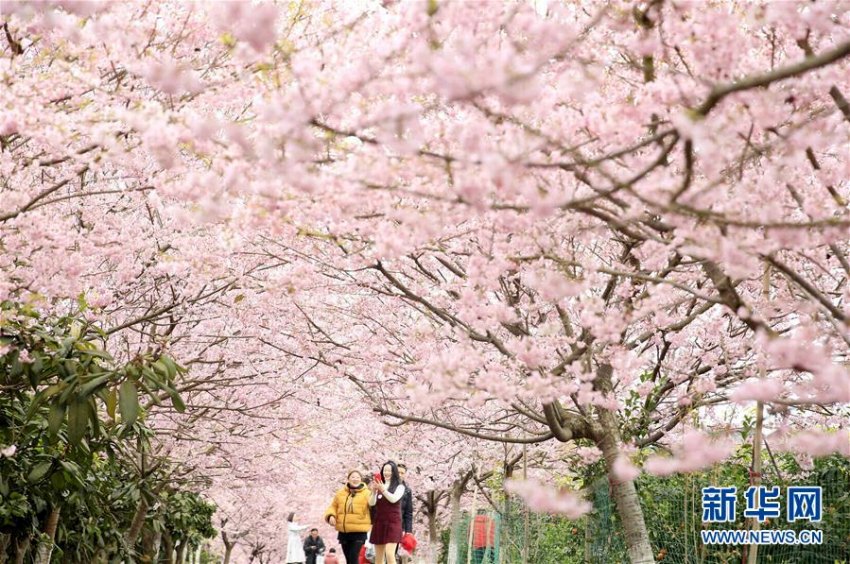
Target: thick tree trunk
22,546
132,534
625,495
181,548
433,533
168,547
147,555
45,548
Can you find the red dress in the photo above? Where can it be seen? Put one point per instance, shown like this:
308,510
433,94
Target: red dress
387,526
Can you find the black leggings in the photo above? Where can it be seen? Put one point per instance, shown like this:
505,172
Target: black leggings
351,544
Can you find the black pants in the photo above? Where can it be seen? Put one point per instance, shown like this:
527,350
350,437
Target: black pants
351,543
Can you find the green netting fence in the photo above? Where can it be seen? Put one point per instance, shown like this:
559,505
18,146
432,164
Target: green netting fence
673,512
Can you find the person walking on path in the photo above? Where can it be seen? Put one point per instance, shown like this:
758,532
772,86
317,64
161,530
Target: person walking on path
314,546
406,508
331,557
349,514
386,495
294,548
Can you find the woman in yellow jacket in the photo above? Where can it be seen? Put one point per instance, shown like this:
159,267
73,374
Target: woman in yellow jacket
349,513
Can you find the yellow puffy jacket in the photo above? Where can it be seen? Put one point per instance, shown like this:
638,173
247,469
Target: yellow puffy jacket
351,509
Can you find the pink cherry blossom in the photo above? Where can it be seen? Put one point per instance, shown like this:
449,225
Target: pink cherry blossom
543,498
624,470
696,451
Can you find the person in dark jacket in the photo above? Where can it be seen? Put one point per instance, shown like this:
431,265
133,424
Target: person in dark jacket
406,502
313,546
406,507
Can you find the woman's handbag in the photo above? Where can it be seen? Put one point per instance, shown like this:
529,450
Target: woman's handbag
367,554
408,542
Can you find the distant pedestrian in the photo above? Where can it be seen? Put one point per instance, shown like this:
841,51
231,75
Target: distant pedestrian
314,546
294,548
349,514
386,495
331,558
483,538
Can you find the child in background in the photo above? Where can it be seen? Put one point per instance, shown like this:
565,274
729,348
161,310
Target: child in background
330,557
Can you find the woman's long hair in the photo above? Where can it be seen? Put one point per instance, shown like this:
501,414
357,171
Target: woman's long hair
395,480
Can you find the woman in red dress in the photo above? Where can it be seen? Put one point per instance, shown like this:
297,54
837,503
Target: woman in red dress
386,526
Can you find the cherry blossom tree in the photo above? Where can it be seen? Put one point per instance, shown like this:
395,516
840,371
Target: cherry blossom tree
524,223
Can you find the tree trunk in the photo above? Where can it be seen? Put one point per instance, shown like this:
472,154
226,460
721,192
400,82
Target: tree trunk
5,541
157,542
181,548
132,534
457,491
147,555
433,533
45,548
228,547
625,495
21,549
168,547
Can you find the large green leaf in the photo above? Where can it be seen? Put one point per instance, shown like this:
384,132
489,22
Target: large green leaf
128,402
98,353
95,421
55,418
39,471
171,365
176,400
78,420
111,399
161,367
93,384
